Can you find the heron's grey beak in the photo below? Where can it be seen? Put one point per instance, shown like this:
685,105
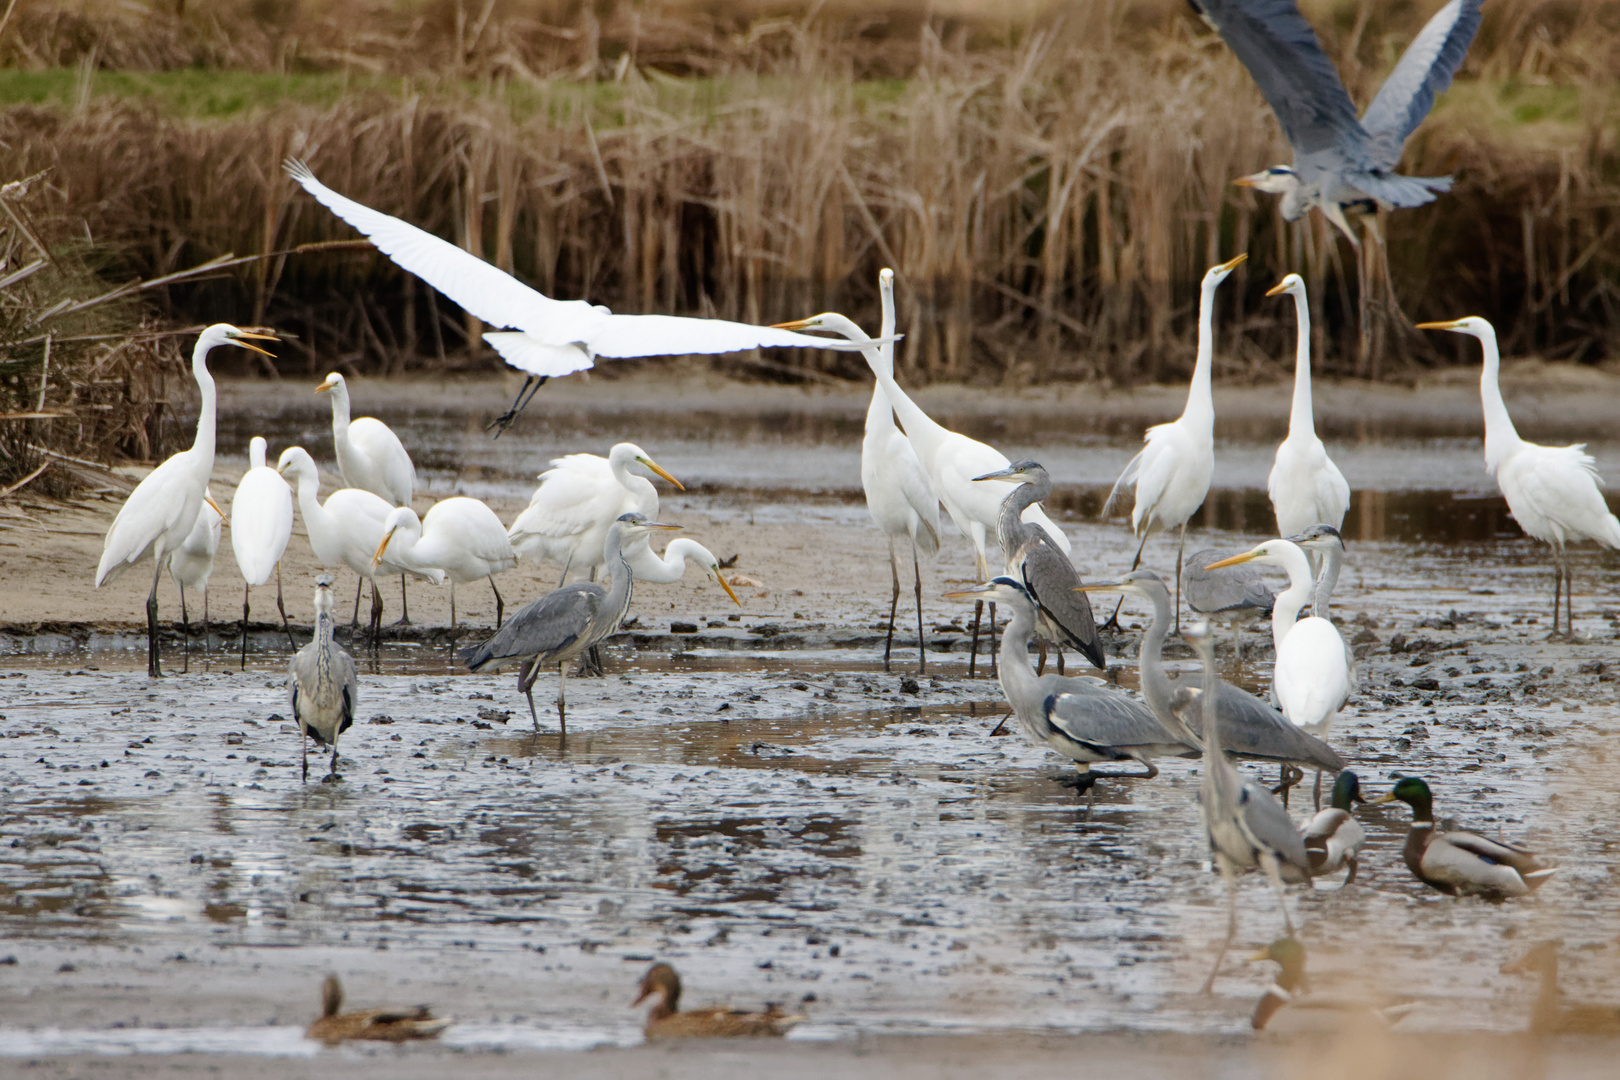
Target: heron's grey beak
660,524
1003,474
797,324
1101,586
382,547
972,590
1234,560
653,465
209,499
1449,324
724,584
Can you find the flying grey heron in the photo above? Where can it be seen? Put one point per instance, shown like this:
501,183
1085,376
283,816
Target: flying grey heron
322,684
1244,823
1340,162
1079,718
564,623
1062,615
1234,596
1250,728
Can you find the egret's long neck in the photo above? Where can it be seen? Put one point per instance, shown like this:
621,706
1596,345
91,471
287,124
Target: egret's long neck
1332,560
317,519
924,434
1018,681
1200,399
1302,419
1293,599
205,417
1501,439
340,412
880,414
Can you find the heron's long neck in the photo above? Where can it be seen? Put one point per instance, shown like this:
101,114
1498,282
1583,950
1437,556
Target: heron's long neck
1010,526
323,625
1200,399
1301,419
1150,660
1018,681
617,601
1293,599
1501,439
1332,560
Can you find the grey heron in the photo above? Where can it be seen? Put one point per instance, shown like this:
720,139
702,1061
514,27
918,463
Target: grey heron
563,624
263,509
321,683
1171,474
1235,595
1324,546
162,510
1080,719
1250,728
1340,161
1552,490
1062,615
1244,823
1462,863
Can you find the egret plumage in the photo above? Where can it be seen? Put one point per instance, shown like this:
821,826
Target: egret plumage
322,687
648,565
1306,487
262,513
1553,491
1171,474
460,536
551,337
162,510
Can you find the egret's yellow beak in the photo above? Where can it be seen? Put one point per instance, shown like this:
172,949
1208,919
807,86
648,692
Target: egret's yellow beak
796,324
1449,324
1280,287
382,547
724,584
209,499
325,386
653,465
1234,560
1251,180
236,337
1230,264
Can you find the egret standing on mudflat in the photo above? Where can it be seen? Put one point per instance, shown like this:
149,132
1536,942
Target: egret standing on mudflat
1245,824
1552,490
193,561
563,624
1173,470
321,683
951,461
160,513
262,513
460,536
578,500
1341,162
552,337
1306,487
1062,612
898,494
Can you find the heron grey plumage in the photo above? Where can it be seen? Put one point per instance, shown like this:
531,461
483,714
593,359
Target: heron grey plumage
1341,161
565,623
1233,595
1244,823
321,683
1062,615
1325,546
1079,718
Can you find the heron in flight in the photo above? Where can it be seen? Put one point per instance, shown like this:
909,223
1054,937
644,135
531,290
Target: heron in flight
551,337
1341,162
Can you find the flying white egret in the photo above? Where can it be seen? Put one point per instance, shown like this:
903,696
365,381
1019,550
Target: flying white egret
952,462
263,519
1306,487
898,495
460,536
551,337
578,500
670,567
1552,490
1172,472
160,513
347,529
192,562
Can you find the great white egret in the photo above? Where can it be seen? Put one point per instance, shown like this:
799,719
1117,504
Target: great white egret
1552,490
192,563
578,500
1172,472
563,624
160,513
1341,162
1462,863
670,567
898,495
551,337
951,460
1306,487
262,510
460,536
321,683
347,529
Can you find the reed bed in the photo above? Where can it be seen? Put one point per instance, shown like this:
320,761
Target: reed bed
1049,188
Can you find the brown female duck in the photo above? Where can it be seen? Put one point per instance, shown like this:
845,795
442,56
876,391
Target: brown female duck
1549,1015
666,1021
387,1025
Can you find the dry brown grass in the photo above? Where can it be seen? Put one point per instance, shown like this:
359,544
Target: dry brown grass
1048,188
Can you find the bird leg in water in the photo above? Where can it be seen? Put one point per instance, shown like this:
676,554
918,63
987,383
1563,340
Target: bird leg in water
1229,877
526,677
1316,792
973,649
453,617
1180,549
185,631
500,605
1040,663
562,714
303,752
205,623
332,776
894,601
153,669
358,585
1287,776
922,653
531,386
992,639
281,607
376,616
1268,863
1113,620
1059,647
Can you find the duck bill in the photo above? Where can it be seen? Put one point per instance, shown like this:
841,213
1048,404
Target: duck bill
1448,324
726,585
382,547
209,499
1376,800
1233,561
796,324
653,465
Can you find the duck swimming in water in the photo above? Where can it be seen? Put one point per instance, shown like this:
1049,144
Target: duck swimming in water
386,1025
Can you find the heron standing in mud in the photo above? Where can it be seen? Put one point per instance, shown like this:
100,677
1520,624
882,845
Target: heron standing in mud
322,683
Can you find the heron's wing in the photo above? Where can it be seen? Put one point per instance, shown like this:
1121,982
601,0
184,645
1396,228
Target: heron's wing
1103,717
676,335
541,628
1231,588
1050,578
478,287
1252,729
1286,60
1268,822
1424,70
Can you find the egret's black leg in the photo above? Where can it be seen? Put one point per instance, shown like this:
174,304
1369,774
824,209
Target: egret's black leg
531,386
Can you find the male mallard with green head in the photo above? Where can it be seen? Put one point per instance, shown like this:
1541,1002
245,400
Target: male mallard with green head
666,1021
1291,988
1333,837
1462,863
1549,1015
387,1025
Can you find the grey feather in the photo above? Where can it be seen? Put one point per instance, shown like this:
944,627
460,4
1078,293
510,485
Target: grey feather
322,687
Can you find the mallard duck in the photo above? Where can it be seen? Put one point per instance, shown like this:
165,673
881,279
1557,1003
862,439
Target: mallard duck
1291,988
1549,1015
665,1021
387,1025
1462,863
1334,836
